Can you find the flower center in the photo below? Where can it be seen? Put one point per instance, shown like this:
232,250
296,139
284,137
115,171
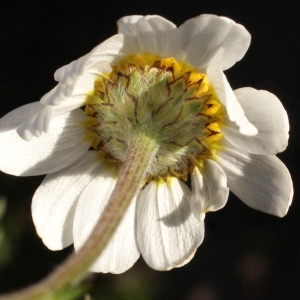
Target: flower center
159,98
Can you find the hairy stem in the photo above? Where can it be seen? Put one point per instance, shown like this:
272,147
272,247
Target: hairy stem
131,175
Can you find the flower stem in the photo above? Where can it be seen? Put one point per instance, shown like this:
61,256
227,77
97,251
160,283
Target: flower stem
130,178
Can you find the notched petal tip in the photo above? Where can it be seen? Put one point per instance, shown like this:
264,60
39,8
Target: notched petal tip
25,133
35,125
168,233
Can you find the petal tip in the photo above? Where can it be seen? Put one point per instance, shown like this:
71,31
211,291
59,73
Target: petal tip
24,133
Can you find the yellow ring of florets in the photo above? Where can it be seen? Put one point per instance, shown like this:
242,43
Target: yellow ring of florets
166,100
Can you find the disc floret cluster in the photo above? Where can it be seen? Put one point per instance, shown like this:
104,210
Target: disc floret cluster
163,99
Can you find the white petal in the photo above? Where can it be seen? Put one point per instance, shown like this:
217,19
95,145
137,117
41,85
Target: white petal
112,50
54,202
84,84
168,233
18,116
39,122
56,95
63,95
77,79
121,252
63,144
68,73
209,39
261,181
106,51
124,21
36,124
154,34
266,113
209,189
228,99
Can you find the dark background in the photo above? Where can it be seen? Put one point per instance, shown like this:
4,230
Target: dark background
245,254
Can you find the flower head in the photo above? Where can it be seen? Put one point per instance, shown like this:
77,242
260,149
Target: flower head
167,83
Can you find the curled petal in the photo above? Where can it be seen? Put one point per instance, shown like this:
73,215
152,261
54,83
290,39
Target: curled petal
39,122
68,73
106,51
71,96
36,124
209,39
64,143
54,203
168,233
266,113
154,34
209,189
227,97
112,50
261,181
77,79
56,95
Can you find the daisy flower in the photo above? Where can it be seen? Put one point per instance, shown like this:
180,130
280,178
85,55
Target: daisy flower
165,83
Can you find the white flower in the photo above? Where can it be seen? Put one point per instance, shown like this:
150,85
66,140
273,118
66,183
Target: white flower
230,140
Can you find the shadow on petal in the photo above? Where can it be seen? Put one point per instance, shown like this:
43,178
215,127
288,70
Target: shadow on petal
56,152
67,230
179,215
